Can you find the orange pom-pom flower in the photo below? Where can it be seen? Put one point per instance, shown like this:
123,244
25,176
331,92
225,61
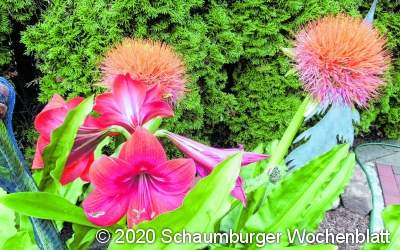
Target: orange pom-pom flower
341,59
152,62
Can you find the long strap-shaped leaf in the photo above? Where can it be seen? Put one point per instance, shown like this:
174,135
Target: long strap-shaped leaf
391,216
302,198
45,232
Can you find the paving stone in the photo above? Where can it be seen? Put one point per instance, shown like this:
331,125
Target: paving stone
393,160
398,180
382,154
391,191
369,153
396,170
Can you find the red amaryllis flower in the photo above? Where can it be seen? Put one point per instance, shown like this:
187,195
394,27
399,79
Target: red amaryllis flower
141,182
207,158
130,104
88,136
152,62
50,118
341,59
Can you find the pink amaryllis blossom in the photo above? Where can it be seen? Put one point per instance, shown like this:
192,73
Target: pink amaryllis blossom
141,183
130,104
207,158
50,118
88,136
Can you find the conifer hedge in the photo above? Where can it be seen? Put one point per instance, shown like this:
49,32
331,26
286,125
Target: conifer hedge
240,89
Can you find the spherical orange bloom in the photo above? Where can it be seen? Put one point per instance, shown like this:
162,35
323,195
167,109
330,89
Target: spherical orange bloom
152,62
341,59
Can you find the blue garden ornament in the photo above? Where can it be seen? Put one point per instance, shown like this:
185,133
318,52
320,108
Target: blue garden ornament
14,172
370,15
335,127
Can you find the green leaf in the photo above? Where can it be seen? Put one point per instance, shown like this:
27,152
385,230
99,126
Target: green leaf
153,124
37,176
377,246
273,247
253,169
303,247
82,238
20,241
45,206
98,152
62,140
72,191
7,222
391,218
301,199
236,216
202,208
26,226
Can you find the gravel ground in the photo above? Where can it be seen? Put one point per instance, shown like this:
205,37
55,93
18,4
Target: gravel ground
342,220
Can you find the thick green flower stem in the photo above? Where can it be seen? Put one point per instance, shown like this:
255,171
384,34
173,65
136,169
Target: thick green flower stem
153,124
98,152
286,141
283,146
161,133
258,184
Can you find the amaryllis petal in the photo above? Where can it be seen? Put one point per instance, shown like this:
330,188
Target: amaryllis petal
38,160
74,102
170,182
154,109
129,95
251,157
105,210
143,148
131,104
107,174
149,203
49,120
153,94
85,174
55,102
195,150
86,141
238,191
75,169
207,158
53,114
175,175
110,113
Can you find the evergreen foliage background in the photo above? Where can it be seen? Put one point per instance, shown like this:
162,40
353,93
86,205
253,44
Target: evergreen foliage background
240,90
